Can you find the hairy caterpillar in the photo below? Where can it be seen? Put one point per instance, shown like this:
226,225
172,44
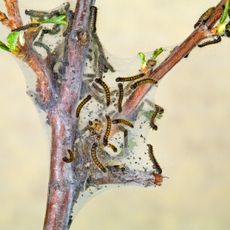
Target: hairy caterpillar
56,12
93,19
106,89
69,158
216,39
108,129
31,25
153,159
82,103
159,110
204,17
120,98
143,81
132,78
123,121
42,45
113,147
95,158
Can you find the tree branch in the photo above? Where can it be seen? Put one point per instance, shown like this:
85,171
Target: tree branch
13,13
178,53
62,189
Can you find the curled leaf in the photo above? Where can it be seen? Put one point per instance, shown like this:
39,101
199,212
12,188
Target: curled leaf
142,57
157,52
12,40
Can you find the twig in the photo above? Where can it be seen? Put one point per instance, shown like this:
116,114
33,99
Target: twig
179,53
13,13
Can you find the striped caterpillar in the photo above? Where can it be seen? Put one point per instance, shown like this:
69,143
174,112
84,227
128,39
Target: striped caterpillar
158,110
70,158
123,121
82,103
143,81
95,158
108,129
153,159
204,17
120,98
132,78
106,89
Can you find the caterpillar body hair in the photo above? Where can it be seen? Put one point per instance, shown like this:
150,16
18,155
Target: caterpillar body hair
106,89
153,159
95,158
70,158
108,130
143,81
132,78
121,96
82,103
123,121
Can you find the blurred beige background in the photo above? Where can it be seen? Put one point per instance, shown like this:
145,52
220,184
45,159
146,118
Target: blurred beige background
192,143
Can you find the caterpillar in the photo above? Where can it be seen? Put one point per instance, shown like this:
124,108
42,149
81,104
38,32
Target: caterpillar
70,158
204,17
132,78
215,40
56,12
95,158
120,98
42,45
70,17
93,19
153,159
31,25
143,81
123,121
108,129
82,103
106,89
158,110
113,147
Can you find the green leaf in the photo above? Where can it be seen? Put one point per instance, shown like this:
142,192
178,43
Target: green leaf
225,13
142,57
157,52
4,47
12,40
58,20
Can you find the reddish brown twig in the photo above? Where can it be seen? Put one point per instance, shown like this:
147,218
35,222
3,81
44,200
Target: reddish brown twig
13,13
